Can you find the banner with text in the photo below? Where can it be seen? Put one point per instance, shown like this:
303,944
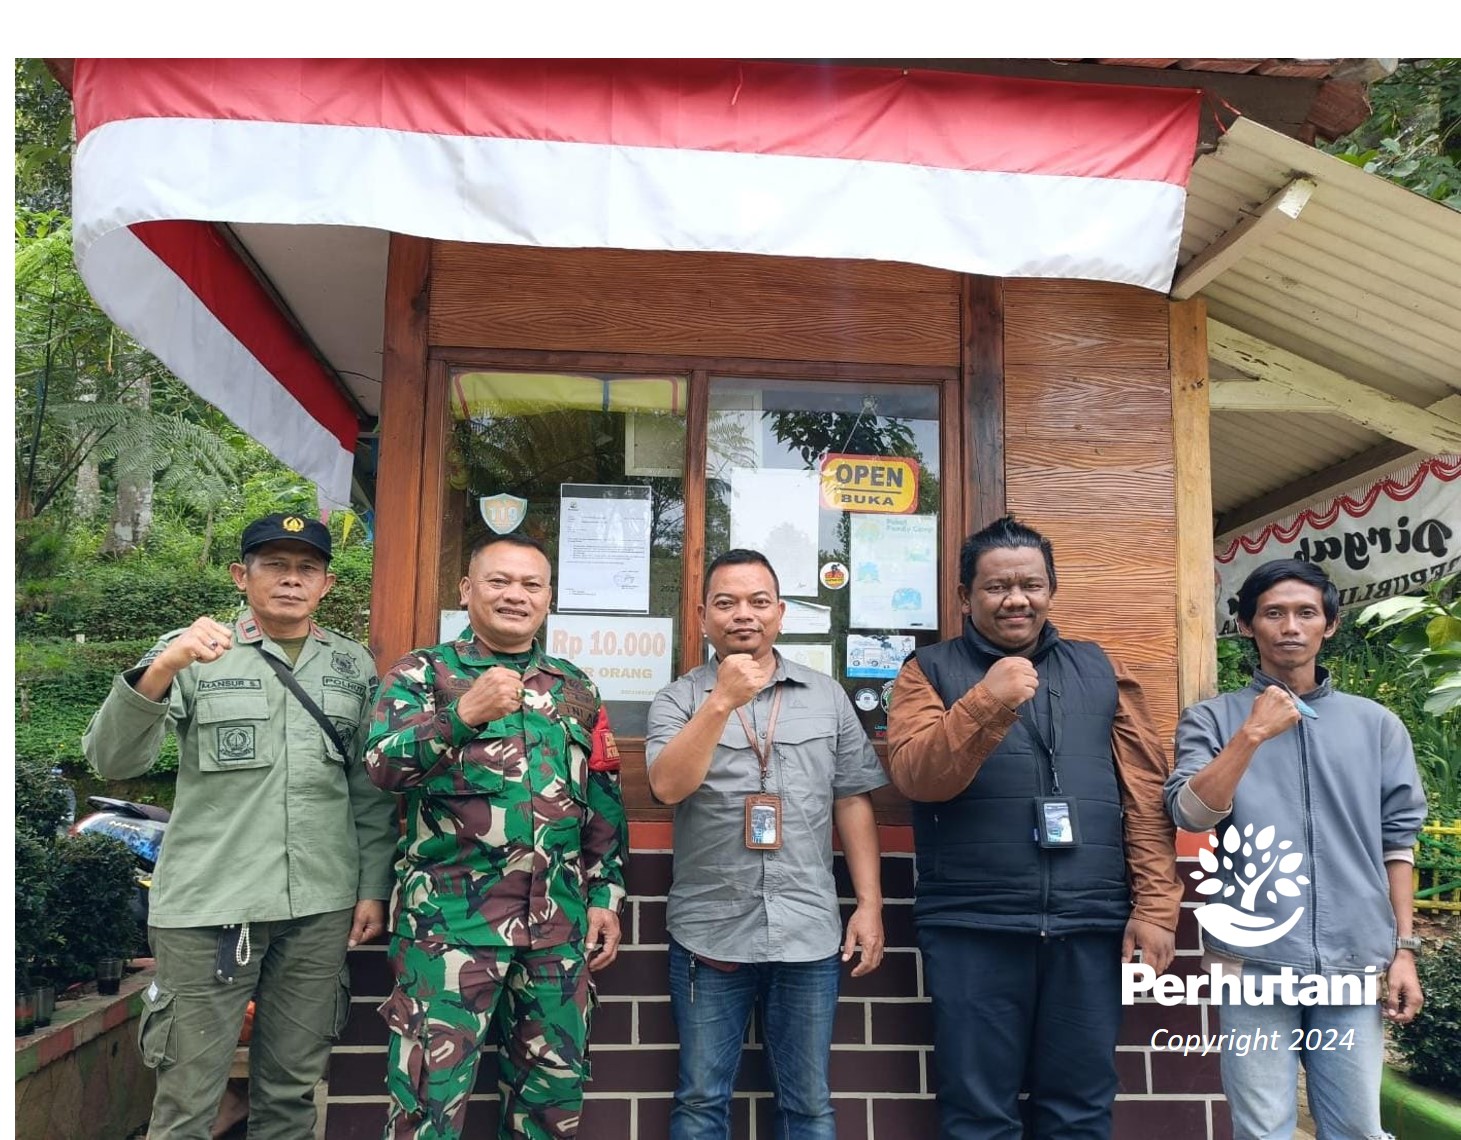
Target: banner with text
628,658
1388,537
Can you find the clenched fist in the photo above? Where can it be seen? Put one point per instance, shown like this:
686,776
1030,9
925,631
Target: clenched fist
740,677
204,641
1012,681
493,695
1273,714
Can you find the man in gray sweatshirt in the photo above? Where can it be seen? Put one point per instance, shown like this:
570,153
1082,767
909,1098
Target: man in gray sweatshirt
1317,801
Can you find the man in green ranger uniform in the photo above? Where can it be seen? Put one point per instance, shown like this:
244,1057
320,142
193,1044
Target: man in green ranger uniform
511,869
278,852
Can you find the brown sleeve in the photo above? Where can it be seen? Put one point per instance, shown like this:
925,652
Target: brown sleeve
934,752
1141,767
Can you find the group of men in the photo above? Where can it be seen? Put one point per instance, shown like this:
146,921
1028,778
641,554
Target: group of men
1043,812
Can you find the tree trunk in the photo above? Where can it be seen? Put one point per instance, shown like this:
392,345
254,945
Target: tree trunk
88,475
132,512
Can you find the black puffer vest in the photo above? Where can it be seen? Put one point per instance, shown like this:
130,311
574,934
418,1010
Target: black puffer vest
978,863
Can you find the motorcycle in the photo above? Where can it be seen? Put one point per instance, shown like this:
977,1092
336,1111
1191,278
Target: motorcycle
141,827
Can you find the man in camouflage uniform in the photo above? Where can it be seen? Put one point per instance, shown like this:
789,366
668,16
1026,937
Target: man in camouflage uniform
278,854
511,869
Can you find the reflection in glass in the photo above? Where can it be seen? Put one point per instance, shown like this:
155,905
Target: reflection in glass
520,435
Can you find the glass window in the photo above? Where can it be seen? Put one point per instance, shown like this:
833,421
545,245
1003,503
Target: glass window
837,483
592,465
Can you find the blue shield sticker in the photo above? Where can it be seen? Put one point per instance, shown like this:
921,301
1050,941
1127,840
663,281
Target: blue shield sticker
503,513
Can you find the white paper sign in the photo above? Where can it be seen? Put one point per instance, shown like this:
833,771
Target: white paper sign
628,658
1384,538
775,512
818,657
894,572
806,617
603,548
453,622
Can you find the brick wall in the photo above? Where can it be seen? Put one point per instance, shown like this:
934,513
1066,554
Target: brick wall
882,1060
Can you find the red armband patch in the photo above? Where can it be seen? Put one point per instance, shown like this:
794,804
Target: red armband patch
605,756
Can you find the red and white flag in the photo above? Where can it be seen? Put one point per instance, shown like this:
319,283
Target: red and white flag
1005,177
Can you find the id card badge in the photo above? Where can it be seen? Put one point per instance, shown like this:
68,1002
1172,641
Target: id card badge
1056,824
763,822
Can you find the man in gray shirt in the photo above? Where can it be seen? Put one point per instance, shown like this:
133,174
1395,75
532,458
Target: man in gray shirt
760,757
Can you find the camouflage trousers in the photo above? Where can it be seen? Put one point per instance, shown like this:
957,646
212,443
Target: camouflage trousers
447,999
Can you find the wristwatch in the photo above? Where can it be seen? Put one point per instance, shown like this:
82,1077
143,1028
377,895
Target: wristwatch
1408,943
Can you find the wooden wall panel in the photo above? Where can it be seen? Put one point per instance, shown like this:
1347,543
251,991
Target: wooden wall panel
1083,324
1090,462
696,304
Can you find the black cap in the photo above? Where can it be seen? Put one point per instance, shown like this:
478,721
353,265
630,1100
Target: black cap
286,528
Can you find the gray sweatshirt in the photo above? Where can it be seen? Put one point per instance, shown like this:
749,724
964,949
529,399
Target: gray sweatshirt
1341,791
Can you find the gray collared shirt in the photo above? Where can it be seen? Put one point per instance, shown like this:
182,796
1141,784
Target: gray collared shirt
728,902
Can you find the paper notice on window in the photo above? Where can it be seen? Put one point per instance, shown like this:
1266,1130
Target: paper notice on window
775,512
628,658
603,548
818,657
894,572
806,617
877,656
453,623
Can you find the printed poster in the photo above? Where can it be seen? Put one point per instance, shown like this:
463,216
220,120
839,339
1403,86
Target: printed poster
603,548
877,656
894,572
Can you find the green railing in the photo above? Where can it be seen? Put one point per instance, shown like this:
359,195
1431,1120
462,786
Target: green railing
1438,867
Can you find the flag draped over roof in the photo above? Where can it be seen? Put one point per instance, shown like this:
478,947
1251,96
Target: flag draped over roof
970,173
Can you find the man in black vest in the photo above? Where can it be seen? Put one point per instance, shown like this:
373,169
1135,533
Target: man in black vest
1045,857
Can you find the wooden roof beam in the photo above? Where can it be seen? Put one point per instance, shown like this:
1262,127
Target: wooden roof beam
1276,214
1423,429
1326,483
1262,396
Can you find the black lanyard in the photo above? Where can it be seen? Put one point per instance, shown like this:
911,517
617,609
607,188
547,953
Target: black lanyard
1050,747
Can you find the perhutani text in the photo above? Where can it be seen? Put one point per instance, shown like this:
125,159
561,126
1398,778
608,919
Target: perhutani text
1229,987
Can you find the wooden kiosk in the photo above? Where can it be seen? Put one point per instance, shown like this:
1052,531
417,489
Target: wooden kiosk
517,381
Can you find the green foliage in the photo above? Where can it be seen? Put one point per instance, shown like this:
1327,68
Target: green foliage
58,686
90,905
34,887
1428,634
1428,1044
41,804
73,893
346,607
1413,134
43,142
132,599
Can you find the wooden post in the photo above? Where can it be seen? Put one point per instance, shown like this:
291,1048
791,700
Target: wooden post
1196,594
402,424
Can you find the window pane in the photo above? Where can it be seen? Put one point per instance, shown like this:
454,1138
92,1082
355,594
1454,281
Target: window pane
526,447
838,485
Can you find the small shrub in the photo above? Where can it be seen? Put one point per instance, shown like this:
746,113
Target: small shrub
1431,1044
35,883
91,906
41,804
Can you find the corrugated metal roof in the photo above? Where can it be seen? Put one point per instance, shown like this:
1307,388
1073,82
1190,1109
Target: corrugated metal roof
1366,281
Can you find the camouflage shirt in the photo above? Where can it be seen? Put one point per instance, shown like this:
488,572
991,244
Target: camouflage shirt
513,828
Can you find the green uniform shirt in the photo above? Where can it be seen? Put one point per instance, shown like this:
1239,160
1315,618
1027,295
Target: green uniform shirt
513,828
269,821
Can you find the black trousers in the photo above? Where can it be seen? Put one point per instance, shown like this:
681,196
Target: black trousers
1016,1012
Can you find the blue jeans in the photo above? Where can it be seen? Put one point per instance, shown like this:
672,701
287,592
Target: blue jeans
1344,1079
711,1007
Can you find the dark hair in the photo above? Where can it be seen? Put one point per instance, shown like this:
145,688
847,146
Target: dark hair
515,539
740,556
1003,534
1270,574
